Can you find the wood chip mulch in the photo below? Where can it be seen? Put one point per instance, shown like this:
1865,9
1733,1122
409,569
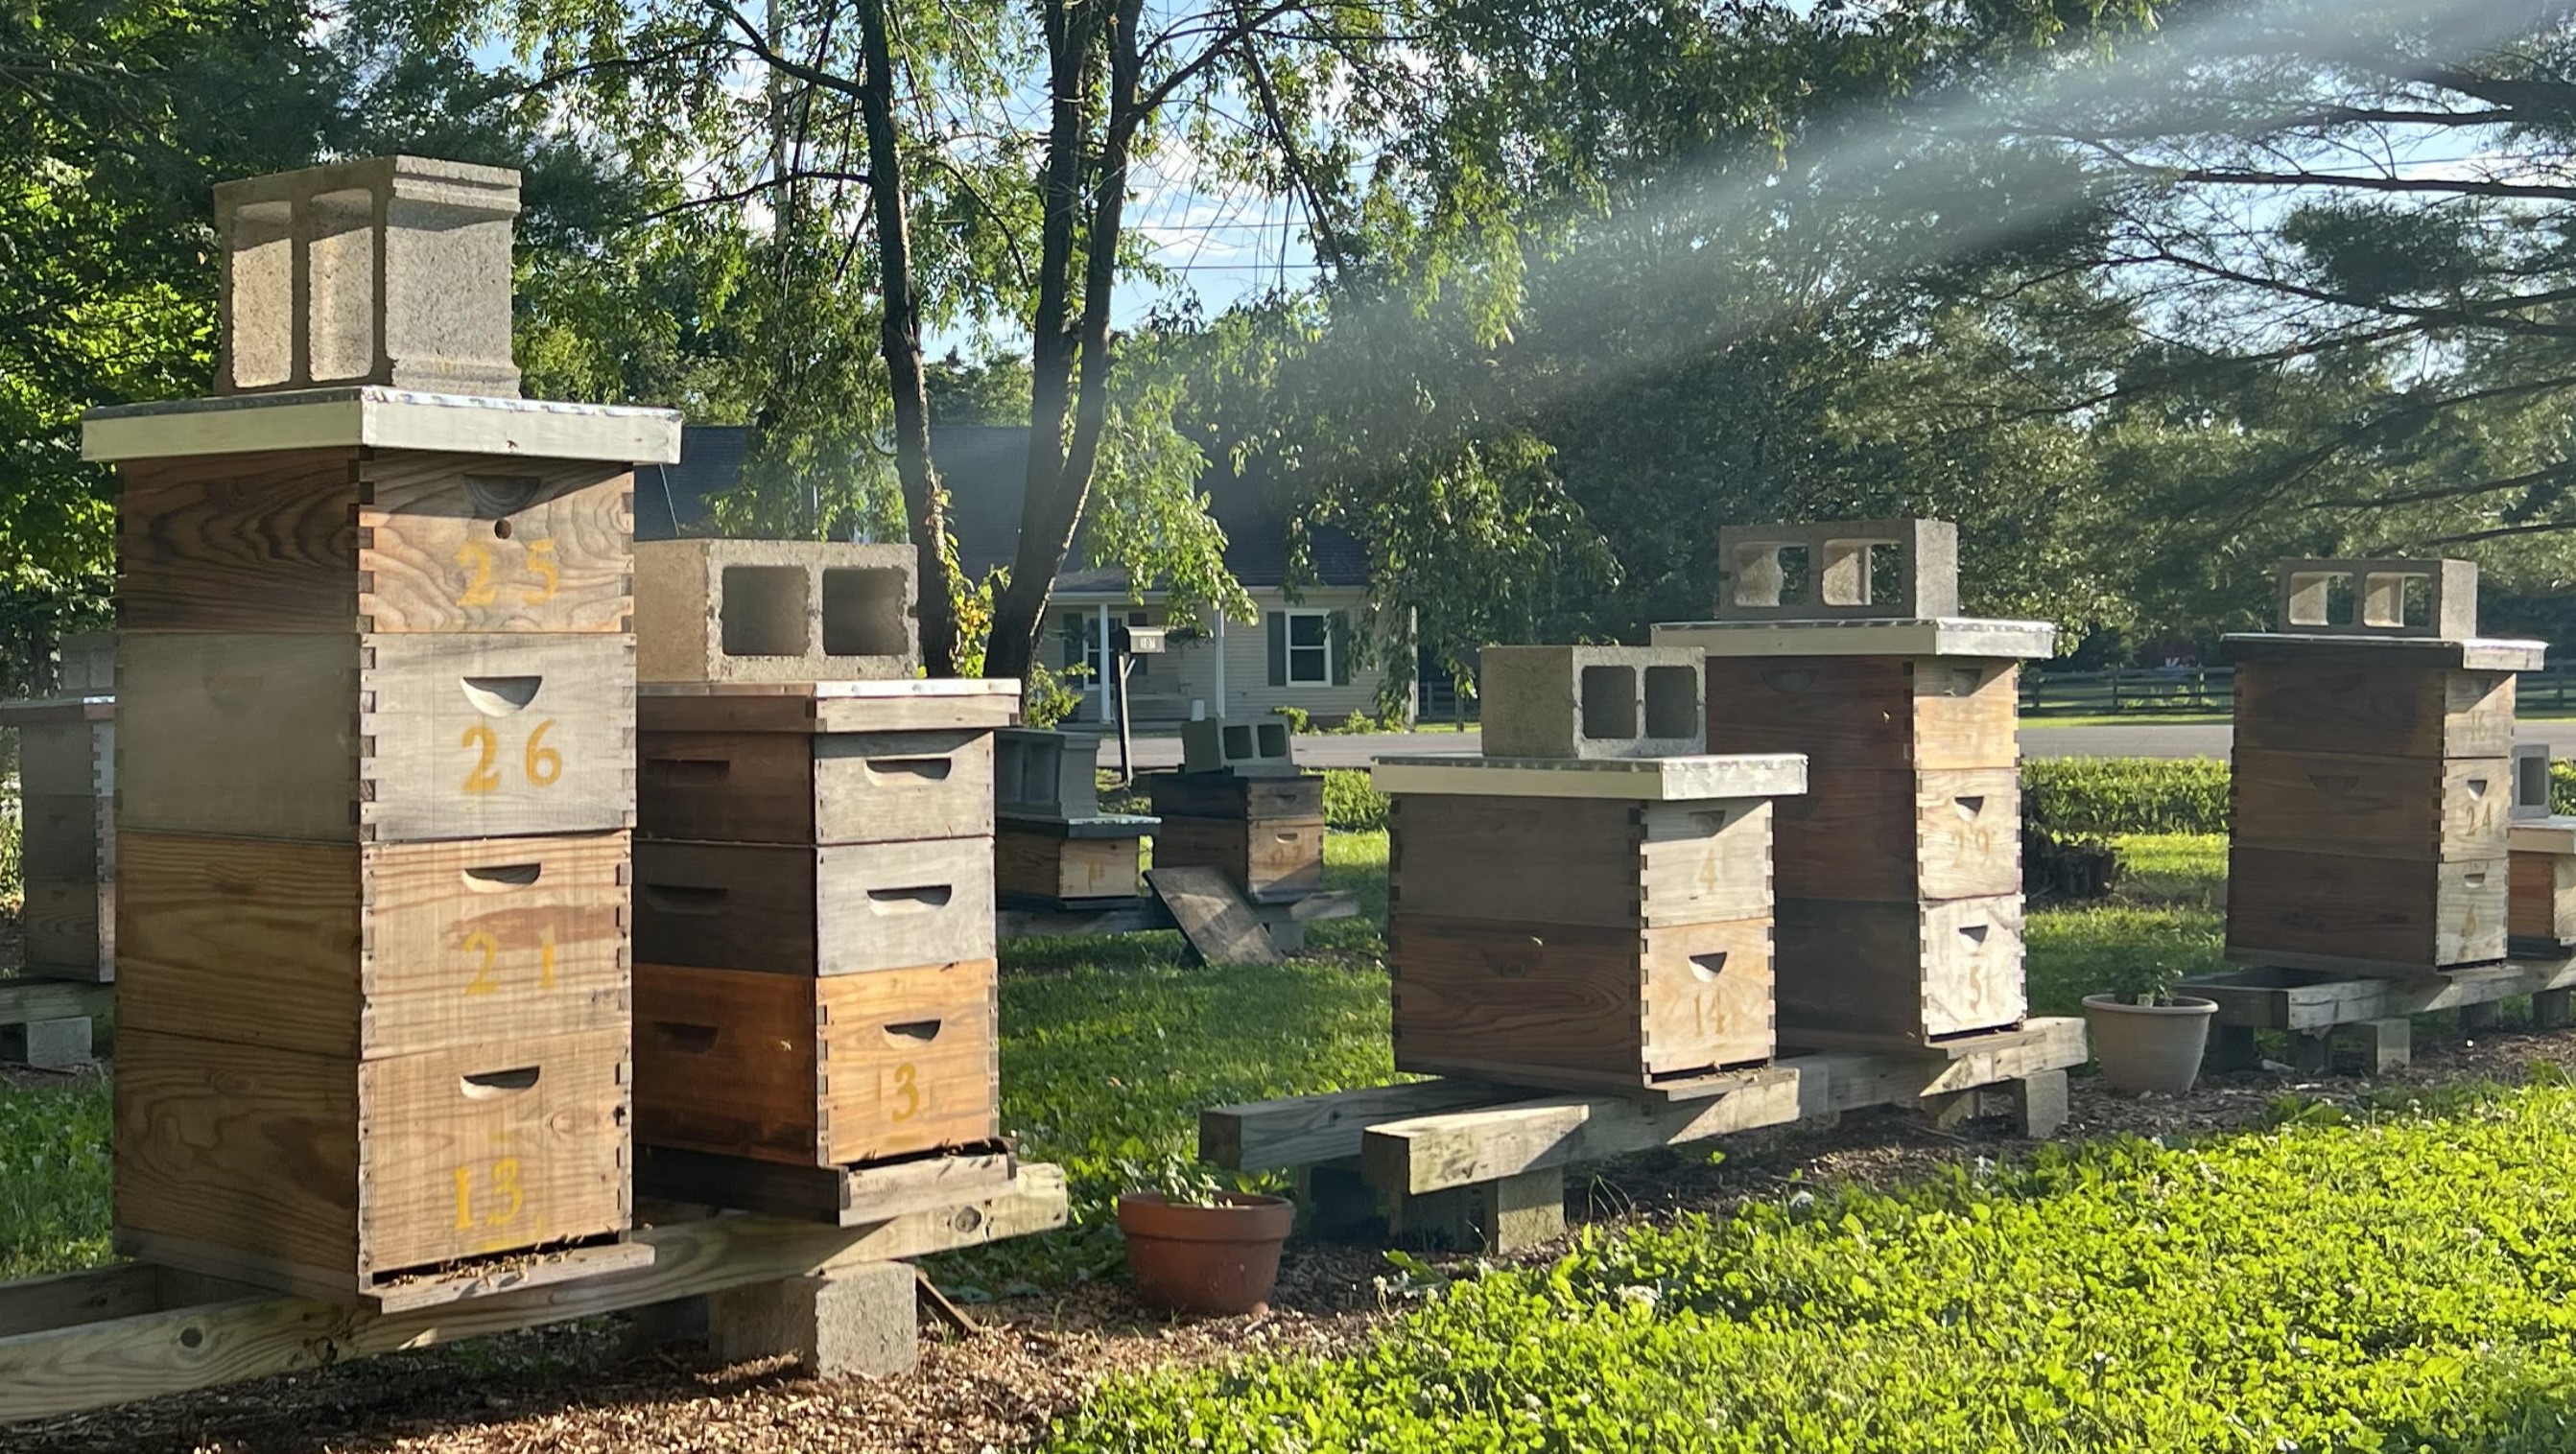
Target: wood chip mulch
582,1388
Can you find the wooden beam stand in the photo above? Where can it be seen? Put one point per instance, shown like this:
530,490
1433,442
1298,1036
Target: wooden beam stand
87,1340
1286,922
45,1024
2314,1003
1490,1150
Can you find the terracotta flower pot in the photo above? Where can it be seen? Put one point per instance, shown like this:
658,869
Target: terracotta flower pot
2150,1047
1222,1258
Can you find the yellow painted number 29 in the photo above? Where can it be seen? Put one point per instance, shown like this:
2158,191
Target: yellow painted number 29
542,764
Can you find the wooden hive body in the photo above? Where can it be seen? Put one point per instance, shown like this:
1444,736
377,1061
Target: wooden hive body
1899,871
1264,833
375,779
1584,942
814,988
67,822
2370,806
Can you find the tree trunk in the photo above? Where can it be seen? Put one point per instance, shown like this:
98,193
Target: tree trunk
1060,467
924,501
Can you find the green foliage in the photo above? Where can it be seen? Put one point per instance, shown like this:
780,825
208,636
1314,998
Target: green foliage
2562,787
2121,948
1300,722
53,1178
1351,803
2378,1280
2114,795
2173,869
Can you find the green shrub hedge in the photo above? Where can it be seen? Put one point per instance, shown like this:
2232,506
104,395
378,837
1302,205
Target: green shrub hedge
2105,795
1350,804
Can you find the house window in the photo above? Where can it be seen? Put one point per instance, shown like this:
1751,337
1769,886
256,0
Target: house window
1082,647
1310,648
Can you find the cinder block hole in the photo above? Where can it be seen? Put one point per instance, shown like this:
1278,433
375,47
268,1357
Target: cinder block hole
1844,581
2531,781
1610,702
763,610
259,333
1672,701
2321,598
1238,742
1273,739
866,612
340,284
1887,568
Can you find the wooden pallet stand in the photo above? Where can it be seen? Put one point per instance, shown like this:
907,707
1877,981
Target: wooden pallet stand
1898,873
2329,1010
2373,783
67,849
1286,922
138,1330
1483,1165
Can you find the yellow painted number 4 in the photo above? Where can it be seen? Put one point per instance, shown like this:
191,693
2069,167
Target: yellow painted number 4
543,765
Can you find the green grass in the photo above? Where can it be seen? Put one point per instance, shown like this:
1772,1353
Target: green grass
53,1178
2401,1281
2172,868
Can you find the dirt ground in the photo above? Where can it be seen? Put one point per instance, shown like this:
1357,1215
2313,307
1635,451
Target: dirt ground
583,1388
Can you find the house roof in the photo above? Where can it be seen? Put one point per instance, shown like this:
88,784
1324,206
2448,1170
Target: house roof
671,499
985,469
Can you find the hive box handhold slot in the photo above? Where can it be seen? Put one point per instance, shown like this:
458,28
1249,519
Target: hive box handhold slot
389,270
1591,701
774,611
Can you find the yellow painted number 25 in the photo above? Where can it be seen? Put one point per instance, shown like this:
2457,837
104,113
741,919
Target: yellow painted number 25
480,589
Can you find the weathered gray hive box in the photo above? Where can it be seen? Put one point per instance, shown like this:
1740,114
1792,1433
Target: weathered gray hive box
1592,701
391,270
773,611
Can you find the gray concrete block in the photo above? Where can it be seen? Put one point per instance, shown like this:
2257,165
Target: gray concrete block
2379,597
48,1044
1054,776
1593,702
87,664
2553,1009
1850,570
1259,748
854,1320
2530,781
2372,1047
388,270
774,611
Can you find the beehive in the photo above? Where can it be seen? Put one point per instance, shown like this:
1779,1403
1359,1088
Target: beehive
375,780
1899,871
2373,782
1264,832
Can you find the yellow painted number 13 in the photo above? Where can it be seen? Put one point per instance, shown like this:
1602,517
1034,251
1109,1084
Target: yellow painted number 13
542,764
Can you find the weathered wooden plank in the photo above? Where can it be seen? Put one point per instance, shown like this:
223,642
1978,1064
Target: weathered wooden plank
1043,862
1213,916
2408,915
30,997
1433,1153
1906,973
844,1196
68,1369
1312,1130
1268,859
842,908
2307,1001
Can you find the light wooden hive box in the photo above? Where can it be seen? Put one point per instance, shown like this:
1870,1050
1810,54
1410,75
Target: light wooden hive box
1587,919
375,786
814,910
67,847
2373,777
1898,873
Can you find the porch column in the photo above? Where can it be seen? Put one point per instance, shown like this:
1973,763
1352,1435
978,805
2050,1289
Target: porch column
1106,664
1220,662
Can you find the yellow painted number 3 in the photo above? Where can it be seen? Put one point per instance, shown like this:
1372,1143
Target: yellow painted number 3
542,764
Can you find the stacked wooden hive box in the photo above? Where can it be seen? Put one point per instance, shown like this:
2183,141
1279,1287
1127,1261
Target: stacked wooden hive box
814,985
1053,847
1238,805
67,786
1899,872
2373,775
1588,904
375,768
2540,913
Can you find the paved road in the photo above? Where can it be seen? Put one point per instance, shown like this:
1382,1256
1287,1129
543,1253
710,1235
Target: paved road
2185,739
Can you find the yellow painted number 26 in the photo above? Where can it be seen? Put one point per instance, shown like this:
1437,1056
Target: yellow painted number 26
542,764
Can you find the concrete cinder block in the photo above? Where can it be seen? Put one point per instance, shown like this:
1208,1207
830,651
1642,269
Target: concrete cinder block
1593,702
1850,570
2530,781
773,611
390,270
86,664
1246,749
854,1320
63,1044
2379,597
1053,776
